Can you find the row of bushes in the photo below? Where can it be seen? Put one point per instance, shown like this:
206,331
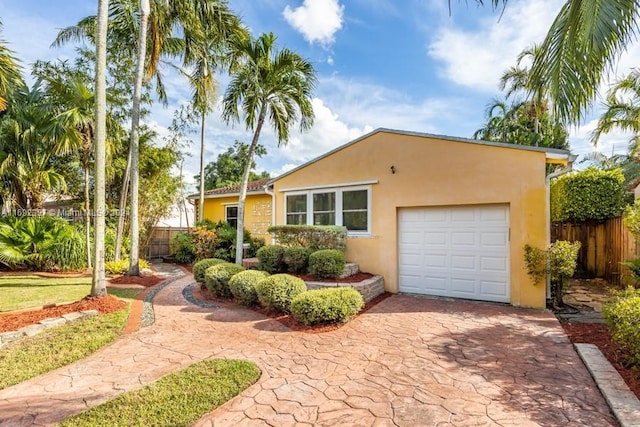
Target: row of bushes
621,315
278,293
324,264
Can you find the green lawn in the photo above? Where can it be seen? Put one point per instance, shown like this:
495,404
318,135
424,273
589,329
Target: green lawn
24,292
178,399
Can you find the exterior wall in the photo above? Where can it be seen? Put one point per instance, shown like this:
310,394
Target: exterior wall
433,172
257,215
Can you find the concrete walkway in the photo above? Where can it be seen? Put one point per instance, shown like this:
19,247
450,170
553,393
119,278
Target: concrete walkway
408,361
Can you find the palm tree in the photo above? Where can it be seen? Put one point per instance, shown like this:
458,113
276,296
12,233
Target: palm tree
268,83
98,285
500,119
622,111
10,74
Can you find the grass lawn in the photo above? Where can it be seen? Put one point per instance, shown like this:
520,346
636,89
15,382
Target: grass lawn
24,292
62,345
178,399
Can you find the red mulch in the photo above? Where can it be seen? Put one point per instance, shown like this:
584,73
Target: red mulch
16,320
599,335
136,280
203,294
354,278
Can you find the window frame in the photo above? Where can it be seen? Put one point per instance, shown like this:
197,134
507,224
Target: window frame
339,212
226,214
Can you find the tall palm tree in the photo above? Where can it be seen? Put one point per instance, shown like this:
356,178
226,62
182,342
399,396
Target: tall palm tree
622,111
10,73
98,284
269,83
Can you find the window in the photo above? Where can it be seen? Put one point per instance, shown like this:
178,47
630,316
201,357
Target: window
231,214
348,206
297,209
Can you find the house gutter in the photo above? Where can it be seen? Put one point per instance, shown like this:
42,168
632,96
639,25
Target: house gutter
570,159
273,207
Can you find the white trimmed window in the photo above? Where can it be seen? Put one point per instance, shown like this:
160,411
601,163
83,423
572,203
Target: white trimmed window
231,215
346,206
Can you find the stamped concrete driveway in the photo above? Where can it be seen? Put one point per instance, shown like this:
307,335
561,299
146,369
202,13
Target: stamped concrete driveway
408,361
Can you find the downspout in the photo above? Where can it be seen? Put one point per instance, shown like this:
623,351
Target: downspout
273,208
571,158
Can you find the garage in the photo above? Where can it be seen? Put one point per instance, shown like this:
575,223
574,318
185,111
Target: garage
455,251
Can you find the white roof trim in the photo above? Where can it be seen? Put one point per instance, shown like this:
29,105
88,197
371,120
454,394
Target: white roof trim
222,195
342,184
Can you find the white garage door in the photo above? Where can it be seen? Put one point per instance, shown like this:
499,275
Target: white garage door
460,252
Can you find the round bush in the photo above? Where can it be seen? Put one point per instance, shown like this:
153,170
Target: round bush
327,263
271,258
331,305
201,266
243,286
275,292
296,258
621,315
217,277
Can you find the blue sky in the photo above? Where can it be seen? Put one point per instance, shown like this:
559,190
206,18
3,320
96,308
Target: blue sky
406,64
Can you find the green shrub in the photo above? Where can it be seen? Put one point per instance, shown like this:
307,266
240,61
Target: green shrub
276,292
327,263
622,314
122,266
588,195
535,260
271,258
634,266
631,218
296,258
331,305
182,248
201,266
243,286
216,278
314,237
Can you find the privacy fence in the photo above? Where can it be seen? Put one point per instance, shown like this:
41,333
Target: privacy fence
160,243
604,246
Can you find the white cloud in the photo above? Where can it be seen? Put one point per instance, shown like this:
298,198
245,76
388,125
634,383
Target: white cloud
477,58
317,20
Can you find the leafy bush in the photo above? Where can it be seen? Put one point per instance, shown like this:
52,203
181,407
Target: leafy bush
331,305
271,258
327,263
621,315
634,266
535,260
183,248
314,237
562,259
296,258
276,292
216,278
243,286
589,195
631,218
201,266
218,240
204,242
122,266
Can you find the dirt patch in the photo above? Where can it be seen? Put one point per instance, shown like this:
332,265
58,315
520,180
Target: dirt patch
136,280
592,333
354,278
201,293
13,321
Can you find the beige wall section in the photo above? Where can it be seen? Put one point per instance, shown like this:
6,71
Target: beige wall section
434,172
257,215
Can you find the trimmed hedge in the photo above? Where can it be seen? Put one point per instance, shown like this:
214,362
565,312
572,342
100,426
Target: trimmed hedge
217,277
588,195
270,258
122,266
314,237
330,305
296,258
201,266
276,292
327,263
621,315
243,286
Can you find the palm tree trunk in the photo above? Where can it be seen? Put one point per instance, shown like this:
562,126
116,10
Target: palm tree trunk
122,206
87,203
134,267
98,285
201,198
243,188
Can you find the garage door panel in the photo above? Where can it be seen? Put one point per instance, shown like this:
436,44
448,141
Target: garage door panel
455,251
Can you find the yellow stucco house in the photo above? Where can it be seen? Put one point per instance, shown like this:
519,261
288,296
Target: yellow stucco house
432,214
221,204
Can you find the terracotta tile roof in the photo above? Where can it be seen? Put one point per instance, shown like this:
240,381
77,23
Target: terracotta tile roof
253,186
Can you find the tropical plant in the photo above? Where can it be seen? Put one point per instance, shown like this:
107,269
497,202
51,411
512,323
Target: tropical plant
268,83
10,74
229,166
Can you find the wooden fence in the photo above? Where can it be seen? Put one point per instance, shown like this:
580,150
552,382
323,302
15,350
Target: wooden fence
160,244
604,246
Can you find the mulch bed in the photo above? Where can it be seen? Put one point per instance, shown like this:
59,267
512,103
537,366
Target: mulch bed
17,320
136,280
203,294
599,335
